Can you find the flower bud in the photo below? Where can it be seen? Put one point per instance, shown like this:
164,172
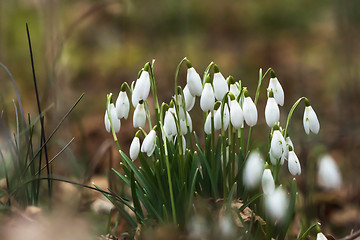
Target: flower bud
220,85
329,176
310,120
278,145
276,204
236,114
141,89
189,99
253,170
293,163
114,120
122,105
149,143
267,182
134,148
250,112
207,99
139,117
277,89
272,112
194,82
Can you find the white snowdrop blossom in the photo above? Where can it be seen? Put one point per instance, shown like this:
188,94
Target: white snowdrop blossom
277,89
114,119
149,142
169,124
225,117
236,114
288,144
310,120
274,160
294,164
207,125
272,112
207,99
250,112
189,99
141,89
194,82
253,170
217,119
329,176
220,86
122,105
234,89
134,148
321,236
278,145
276,204
139,117
267,182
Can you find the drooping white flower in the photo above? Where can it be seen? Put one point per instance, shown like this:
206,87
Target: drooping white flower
169,124
139,117
225,117
122,105
142,87
134,148
207,99
329,176
272,112
288,144
310,120
236,114
207,125
114,119
194,82
294,163
249,111
267,182
253,170
276,204
189,99
274,160
234,86
217,119
149,143
321,236
220,84
277,89
278,145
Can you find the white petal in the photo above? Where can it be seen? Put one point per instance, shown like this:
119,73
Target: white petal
226,117
217,119
277,89
207,99
122,105
294,164
276,204
277,144
250,112
207,125
169,124
267,182
114,119
139,117
329,176
236,114
141,89
149,142
134,148
107,122
189,99
272,112
253,170
320,236
189,121
220,86
194,82
234,90
313,121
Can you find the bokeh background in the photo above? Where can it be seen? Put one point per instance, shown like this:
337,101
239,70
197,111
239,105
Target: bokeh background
93,46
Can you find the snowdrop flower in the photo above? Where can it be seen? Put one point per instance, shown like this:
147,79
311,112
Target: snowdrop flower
225,118
310,120
293,163
207,125
236,114
253,170
276,204
149,143
272,112
189,99
122,105
274,160
267,182
207,99
329,176
220,84
114,119
169,124
193,80
278,146
234,88
142,86
277,89
134,148
139,117
249,110
320,236
217,119
288,144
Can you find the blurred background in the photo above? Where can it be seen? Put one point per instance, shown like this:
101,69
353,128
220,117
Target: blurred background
94,46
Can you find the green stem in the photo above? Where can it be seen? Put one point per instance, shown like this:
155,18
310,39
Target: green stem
177,74
291,113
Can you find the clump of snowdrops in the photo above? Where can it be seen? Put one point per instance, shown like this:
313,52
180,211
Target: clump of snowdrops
178,166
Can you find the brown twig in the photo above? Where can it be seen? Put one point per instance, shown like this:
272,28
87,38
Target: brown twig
352,236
